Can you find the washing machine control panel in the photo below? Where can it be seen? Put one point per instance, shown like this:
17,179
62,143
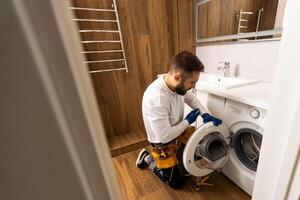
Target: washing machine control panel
254,113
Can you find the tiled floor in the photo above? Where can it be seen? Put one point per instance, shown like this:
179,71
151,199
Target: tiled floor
142,184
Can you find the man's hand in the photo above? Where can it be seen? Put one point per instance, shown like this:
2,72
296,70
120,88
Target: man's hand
192,116
208,118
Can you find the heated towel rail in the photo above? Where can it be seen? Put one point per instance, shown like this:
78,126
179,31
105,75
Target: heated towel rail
243,22
122,60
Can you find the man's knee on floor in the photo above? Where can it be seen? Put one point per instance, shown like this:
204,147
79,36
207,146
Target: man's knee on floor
175,184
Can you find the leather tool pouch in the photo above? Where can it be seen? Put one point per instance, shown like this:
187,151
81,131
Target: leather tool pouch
184,137
165,157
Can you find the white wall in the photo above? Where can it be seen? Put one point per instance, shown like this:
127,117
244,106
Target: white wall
251,60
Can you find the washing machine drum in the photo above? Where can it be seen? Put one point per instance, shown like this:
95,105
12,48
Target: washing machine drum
206,150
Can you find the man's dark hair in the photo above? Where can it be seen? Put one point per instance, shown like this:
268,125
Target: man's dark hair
186,62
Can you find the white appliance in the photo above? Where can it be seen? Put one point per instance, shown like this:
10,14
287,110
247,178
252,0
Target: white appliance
242,129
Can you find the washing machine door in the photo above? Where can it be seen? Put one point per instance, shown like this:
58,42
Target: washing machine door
207,149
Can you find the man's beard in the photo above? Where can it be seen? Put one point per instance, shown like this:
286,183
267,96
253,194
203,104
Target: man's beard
179,89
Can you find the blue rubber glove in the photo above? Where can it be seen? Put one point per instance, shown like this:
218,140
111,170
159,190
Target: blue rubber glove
192,116
208,118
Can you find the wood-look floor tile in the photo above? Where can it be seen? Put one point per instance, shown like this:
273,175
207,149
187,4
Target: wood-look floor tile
142,184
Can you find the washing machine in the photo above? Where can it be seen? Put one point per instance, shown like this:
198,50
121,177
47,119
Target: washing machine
240,138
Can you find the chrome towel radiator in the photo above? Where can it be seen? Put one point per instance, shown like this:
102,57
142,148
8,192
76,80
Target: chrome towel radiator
121,50
243,23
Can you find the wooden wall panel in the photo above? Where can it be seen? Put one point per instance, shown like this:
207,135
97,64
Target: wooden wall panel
105,46
153,32
145,56
162,35
219,17
93,3
110,91
186,23
268,15
97,25
93,14
228,17
99,36
214,18
174,23
203,21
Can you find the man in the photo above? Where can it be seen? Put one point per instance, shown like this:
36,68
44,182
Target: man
163,110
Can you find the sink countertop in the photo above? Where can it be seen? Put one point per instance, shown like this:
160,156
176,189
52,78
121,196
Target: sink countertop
258,94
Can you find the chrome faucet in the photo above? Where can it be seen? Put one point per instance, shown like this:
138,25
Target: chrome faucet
225,68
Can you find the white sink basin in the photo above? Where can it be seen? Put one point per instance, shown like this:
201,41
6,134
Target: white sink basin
223,83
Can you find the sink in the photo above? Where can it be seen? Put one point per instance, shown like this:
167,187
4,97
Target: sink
223,83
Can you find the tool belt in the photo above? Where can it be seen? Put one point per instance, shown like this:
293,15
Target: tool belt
185,136
165,154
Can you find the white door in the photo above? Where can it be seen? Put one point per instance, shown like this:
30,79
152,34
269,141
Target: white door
294,191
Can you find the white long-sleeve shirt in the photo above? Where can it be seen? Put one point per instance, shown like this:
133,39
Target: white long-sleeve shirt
163,111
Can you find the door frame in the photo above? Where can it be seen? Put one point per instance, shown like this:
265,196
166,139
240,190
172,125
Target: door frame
280,145
55,44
